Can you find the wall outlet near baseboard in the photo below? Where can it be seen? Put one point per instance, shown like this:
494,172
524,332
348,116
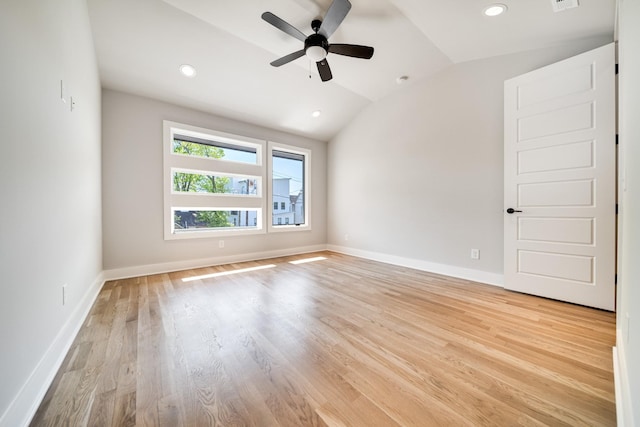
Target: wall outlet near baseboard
221,244
475,253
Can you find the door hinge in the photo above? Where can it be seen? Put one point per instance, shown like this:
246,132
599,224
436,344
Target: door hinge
616,139
615,280
616,68
616,209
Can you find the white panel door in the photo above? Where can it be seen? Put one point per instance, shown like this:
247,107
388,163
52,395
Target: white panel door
560,192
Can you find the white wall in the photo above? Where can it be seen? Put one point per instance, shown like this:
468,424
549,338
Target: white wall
628,321
417,178
133,193
50,221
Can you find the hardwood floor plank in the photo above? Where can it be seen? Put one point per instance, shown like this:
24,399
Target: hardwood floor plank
125,410
337,342
102,410
148,386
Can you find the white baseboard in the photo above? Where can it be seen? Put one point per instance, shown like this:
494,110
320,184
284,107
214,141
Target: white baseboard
144,270
25,404
444,269
624,407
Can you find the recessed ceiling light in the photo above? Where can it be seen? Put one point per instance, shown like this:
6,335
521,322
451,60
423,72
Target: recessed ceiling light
402,79
316,113
187,70
495,9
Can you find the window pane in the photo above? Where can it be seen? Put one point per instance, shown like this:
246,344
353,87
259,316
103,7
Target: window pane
185,182
288,188
192,146
198,220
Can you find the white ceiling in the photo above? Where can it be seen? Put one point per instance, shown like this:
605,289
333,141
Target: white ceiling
141,43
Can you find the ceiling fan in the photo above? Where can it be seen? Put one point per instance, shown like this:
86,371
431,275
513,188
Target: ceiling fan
316,46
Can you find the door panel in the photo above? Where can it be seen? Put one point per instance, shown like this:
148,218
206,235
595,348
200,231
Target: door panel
577,268
574,155
559,193
560,173
557,230
559,85
562,120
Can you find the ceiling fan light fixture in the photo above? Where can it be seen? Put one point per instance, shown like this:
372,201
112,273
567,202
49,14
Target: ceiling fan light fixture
316,53
495,9
187,70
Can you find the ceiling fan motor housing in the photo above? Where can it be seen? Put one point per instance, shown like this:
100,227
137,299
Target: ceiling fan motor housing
316,47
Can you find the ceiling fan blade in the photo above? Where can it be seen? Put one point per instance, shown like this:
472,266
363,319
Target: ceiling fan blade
324,70
354,50
288,58
334,17
283,25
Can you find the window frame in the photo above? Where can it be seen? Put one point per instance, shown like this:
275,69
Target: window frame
279,228
214,201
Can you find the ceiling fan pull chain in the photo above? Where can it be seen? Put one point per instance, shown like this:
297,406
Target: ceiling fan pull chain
309,68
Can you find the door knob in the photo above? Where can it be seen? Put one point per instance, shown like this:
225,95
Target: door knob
511,210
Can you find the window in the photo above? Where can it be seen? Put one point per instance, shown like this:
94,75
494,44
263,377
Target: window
289,168
205,182
185,220
213,183
210,146
216,184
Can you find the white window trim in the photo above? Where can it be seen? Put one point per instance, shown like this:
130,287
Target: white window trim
274,146
196,201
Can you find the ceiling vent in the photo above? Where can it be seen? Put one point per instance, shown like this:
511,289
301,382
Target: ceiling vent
560,5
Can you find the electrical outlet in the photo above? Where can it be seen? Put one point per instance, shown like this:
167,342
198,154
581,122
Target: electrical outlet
346,237
64,294
475,253
221,244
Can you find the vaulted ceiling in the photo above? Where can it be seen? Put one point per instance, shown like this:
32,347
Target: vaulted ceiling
140,44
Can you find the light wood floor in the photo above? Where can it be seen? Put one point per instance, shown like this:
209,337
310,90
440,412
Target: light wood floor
337,342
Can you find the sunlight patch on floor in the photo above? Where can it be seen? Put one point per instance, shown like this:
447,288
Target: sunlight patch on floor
227,273
305,260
